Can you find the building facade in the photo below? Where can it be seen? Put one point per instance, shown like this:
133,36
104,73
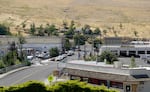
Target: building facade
124,79
127,50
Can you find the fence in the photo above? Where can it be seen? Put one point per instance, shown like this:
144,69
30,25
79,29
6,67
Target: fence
6,69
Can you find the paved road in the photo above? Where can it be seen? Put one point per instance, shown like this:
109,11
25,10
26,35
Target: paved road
37,72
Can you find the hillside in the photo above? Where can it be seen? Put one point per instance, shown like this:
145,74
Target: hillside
133,14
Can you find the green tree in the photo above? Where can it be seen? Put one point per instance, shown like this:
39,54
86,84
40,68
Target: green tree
105,32
109,56
2,65
69,34
32,29
50,29
79,39
135,33
65,25
54,52
71,29
22,41
11,57
96,43
4,30
121,26
87,30
67,44
132,63
97,31
115,33
40,31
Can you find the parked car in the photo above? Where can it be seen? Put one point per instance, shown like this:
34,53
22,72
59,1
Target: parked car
58,58
70,53
29,58
64,55
46,56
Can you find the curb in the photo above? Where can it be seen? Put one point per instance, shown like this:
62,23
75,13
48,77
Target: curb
13,71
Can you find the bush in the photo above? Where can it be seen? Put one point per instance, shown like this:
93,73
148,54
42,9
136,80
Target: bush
67,44
2,89
69,86
90,58
79,39
31,86
4,30
54,52
50,78
2,65
109,56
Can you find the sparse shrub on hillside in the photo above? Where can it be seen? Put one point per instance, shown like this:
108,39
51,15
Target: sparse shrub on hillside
4,30
32,29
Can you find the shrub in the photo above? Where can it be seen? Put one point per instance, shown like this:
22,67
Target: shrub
109,56
4,30
50,78
54,52
68,86
31,86
2,65
2,89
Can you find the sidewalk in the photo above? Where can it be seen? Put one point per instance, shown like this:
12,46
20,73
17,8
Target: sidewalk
13,71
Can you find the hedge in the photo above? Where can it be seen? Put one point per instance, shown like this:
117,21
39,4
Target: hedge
69,86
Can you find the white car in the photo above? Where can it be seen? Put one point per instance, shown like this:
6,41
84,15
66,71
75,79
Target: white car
58,58
70,53
29,57
64,55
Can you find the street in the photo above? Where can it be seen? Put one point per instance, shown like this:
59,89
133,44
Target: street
40,72
37,72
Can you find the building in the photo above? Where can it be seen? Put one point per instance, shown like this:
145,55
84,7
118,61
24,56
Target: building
124,79
112,40
33,44
133,49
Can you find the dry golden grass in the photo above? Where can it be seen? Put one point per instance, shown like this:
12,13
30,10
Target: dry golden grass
133,14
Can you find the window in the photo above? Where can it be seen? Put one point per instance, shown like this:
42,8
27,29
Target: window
148,52
123,53
141,52
116,84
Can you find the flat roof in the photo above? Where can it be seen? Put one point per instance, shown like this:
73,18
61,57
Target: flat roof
126,46
92,63
96,67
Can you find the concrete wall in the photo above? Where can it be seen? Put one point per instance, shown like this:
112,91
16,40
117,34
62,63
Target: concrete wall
4,40
144,87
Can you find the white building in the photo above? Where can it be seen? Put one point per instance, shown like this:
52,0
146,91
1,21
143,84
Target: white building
127,50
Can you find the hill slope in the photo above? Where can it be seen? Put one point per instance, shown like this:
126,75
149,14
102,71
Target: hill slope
133,14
